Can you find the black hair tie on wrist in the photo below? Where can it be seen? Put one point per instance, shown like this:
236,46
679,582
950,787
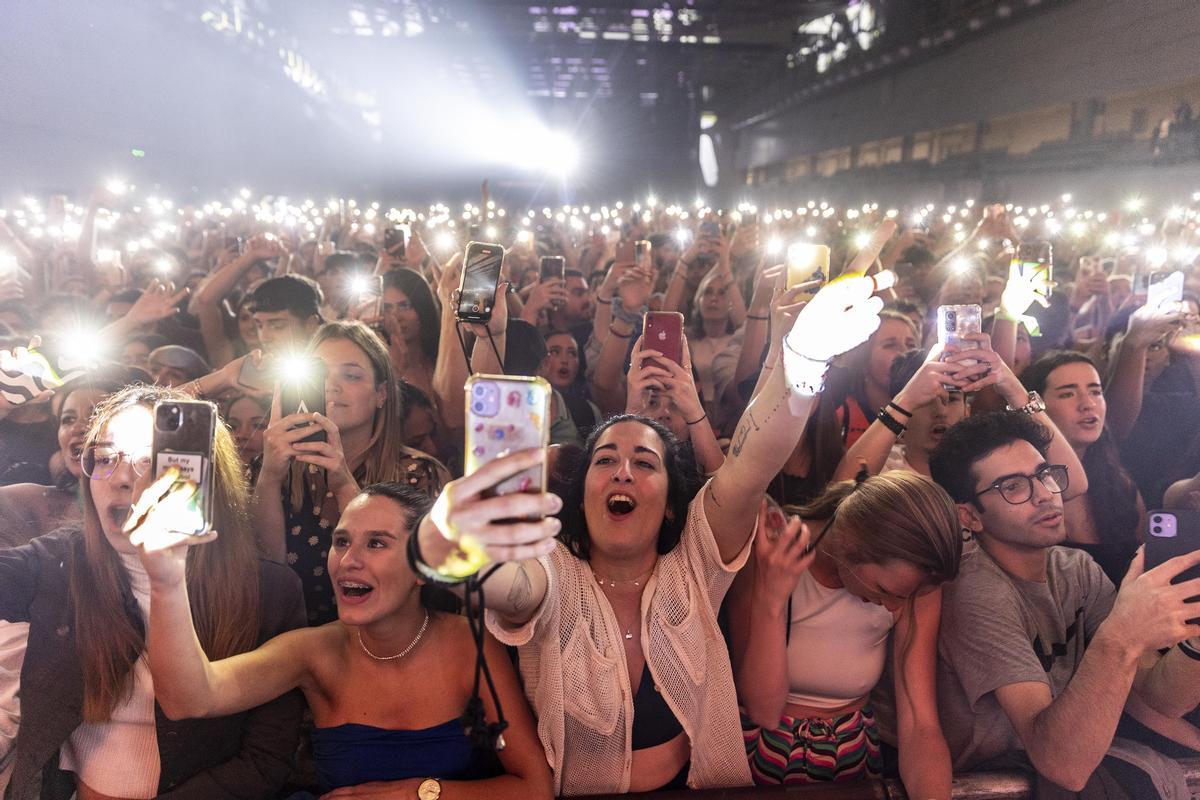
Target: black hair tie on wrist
895,407
891,423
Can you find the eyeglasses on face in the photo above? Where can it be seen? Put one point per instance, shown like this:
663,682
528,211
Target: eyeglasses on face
99,462
1018,489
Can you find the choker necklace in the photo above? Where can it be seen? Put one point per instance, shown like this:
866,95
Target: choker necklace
403,652
635,582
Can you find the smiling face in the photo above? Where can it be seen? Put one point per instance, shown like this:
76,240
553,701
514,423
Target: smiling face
1075,401
73,424
1032,525
128,432
625,491
351,396
366,562
561,365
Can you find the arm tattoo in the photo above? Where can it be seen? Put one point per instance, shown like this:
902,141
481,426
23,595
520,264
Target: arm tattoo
521,591
743,431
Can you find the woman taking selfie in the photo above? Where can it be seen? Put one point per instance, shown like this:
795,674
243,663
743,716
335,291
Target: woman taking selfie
810,633
615,623
387,682
302,486
87,697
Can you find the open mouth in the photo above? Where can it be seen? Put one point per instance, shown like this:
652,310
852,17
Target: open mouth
354,590
938,430
1089,422
621,505
118,515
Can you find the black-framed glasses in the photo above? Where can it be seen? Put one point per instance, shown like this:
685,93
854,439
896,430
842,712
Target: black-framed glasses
99,462
1017,489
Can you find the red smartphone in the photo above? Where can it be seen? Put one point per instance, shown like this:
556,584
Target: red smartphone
663,331
626,253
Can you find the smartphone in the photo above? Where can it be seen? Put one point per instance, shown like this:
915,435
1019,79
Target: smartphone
663,331
807,262
626,252
302,391
1163,289
953,325
749,218
710,229
395,240
1036,259
185,433
235,243
641,252
259,378
1170,534
480,277
1108,264
506,414
554,267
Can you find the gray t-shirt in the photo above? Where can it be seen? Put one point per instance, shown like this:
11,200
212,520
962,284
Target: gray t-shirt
997,630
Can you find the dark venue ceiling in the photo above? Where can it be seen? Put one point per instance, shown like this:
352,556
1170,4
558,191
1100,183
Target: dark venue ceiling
431,95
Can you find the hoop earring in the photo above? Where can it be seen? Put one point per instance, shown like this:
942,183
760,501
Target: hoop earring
967,534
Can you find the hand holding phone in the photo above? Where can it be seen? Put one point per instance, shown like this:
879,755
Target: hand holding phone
1171,534
184,437
302,391
507,414
480,277
954,324
663,331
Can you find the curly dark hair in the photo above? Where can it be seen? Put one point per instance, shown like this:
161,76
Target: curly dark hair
973,439
683,482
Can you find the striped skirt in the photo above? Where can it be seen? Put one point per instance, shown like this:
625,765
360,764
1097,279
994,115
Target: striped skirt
810,750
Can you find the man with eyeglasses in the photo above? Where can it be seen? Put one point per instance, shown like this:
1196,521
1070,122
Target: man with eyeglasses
1037,650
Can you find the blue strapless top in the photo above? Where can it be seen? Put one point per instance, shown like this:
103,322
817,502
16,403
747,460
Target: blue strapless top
348,755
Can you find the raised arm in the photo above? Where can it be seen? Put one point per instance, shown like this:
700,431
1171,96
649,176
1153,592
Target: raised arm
1127,380
841,316
206,303
758,606
758,325
926,386
186,683
466,530
451,370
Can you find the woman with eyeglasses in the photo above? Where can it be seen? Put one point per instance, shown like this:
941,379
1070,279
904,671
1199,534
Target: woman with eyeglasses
812,617
90,726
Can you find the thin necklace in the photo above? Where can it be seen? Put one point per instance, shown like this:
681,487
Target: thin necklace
635,582
403,652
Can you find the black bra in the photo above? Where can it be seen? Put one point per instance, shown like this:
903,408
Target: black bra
654,722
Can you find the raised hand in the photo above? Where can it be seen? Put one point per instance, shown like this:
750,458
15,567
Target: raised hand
1022,291
482,527
779,555
152,523
158,302
1150,612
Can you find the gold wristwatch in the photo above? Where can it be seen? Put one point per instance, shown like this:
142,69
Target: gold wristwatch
430,789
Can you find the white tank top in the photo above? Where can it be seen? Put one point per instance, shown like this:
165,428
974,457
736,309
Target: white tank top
836,647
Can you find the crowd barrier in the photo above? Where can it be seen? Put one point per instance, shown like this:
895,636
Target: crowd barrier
968,786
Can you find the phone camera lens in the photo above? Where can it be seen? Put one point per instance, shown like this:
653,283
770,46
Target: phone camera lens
478,407
1157,519
1157,530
